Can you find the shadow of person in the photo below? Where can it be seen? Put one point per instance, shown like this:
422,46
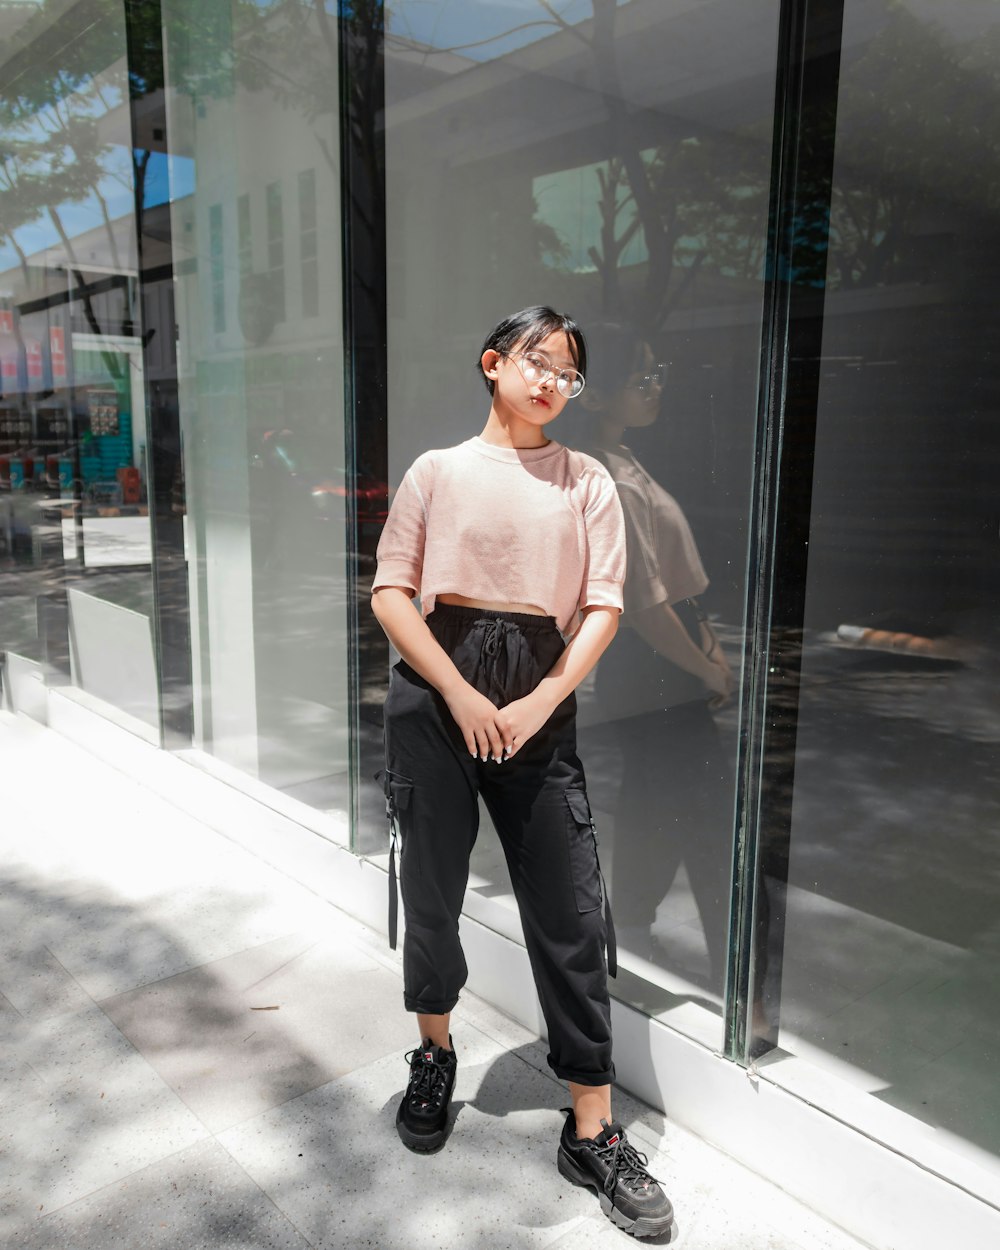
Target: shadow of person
658,685
519,1082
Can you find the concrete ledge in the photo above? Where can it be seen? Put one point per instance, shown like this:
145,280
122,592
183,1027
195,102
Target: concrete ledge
24,687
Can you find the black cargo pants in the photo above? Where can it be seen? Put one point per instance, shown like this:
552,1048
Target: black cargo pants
538,803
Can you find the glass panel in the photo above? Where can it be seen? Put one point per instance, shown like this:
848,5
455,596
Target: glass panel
74,489
612,161
217,272
255,194
890,908
307,243
276,249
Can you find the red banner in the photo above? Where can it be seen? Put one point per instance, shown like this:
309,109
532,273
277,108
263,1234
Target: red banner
57,354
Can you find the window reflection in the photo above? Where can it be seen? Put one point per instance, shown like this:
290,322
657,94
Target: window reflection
75,484
887,884
253,105
659,686
559,155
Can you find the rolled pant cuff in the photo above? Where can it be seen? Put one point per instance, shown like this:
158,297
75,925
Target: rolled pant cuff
582,1078
429,1009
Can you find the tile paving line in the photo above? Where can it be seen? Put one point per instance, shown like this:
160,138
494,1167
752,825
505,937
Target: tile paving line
365,939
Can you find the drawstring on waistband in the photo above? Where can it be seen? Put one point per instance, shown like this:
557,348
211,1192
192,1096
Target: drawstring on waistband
495,653
495,636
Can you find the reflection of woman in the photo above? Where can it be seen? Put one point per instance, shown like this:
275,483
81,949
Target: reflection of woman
660,680
507,537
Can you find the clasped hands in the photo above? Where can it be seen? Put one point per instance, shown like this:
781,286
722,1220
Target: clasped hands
719,679
491,732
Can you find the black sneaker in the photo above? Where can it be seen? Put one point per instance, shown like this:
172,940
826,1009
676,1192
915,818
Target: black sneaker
422,1118
630,1197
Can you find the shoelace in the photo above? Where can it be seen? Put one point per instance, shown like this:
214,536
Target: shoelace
626,1165
427,1077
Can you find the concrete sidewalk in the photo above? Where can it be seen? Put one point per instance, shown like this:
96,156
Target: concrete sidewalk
199,1052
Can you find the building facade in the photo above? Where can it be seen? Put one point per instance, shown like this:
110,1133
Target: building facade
248,254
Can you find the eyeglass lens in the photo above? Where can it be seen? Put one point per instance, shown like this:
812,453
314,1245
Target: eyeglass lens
649,380
536,367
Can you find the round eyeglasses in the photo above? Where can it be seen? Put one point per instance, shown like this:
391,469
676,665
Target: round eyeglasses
536,367
649,381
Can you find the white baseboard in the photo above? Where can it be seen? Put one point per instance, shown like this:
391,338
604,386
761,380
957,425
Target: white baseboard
24,687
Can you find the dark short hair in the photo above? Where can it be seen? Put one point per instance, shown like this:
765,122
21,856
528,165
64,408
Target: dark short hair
617,353
526,329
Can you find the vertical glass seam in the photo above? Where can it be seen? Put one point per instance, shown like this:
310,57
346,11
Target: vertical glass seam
350,440
174,688
811,29
770,409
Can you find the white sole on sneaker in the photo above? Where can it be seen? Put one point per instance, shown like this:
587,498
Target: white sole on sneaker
642,1226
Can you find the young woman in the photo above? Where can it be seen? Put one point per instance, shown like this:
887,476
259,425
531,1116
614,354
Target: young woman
510,539
665,675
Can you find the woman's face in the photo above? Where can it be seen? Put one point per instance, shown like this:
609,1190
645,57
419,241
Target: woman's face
637,403
536,401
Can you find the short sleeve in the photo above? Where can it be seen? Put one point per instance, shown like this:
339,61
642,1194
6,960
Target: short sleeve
604,573
644,584
400,552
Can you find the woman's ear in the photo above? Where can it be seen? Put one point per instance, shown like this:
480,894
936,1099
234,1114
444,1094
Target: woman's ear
489,361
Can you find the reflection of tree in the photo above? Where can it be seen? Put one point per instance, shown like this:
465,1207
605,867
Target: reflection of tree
937,106
657,228
59,143
697,199
53,153
19,196
612,179
57,149
704,208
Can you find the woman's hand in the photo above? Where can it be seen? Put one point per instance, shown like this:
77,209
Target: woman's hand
720,679
476,718
521,720
722,683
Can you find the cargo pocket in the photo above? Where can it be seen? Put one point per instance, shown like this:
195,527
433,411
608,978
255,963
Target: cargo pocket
398,792
585,865
583,852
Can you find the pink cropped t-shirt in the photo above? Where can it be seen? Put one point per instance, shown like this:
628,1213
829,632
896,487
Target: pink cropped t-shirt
538,525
